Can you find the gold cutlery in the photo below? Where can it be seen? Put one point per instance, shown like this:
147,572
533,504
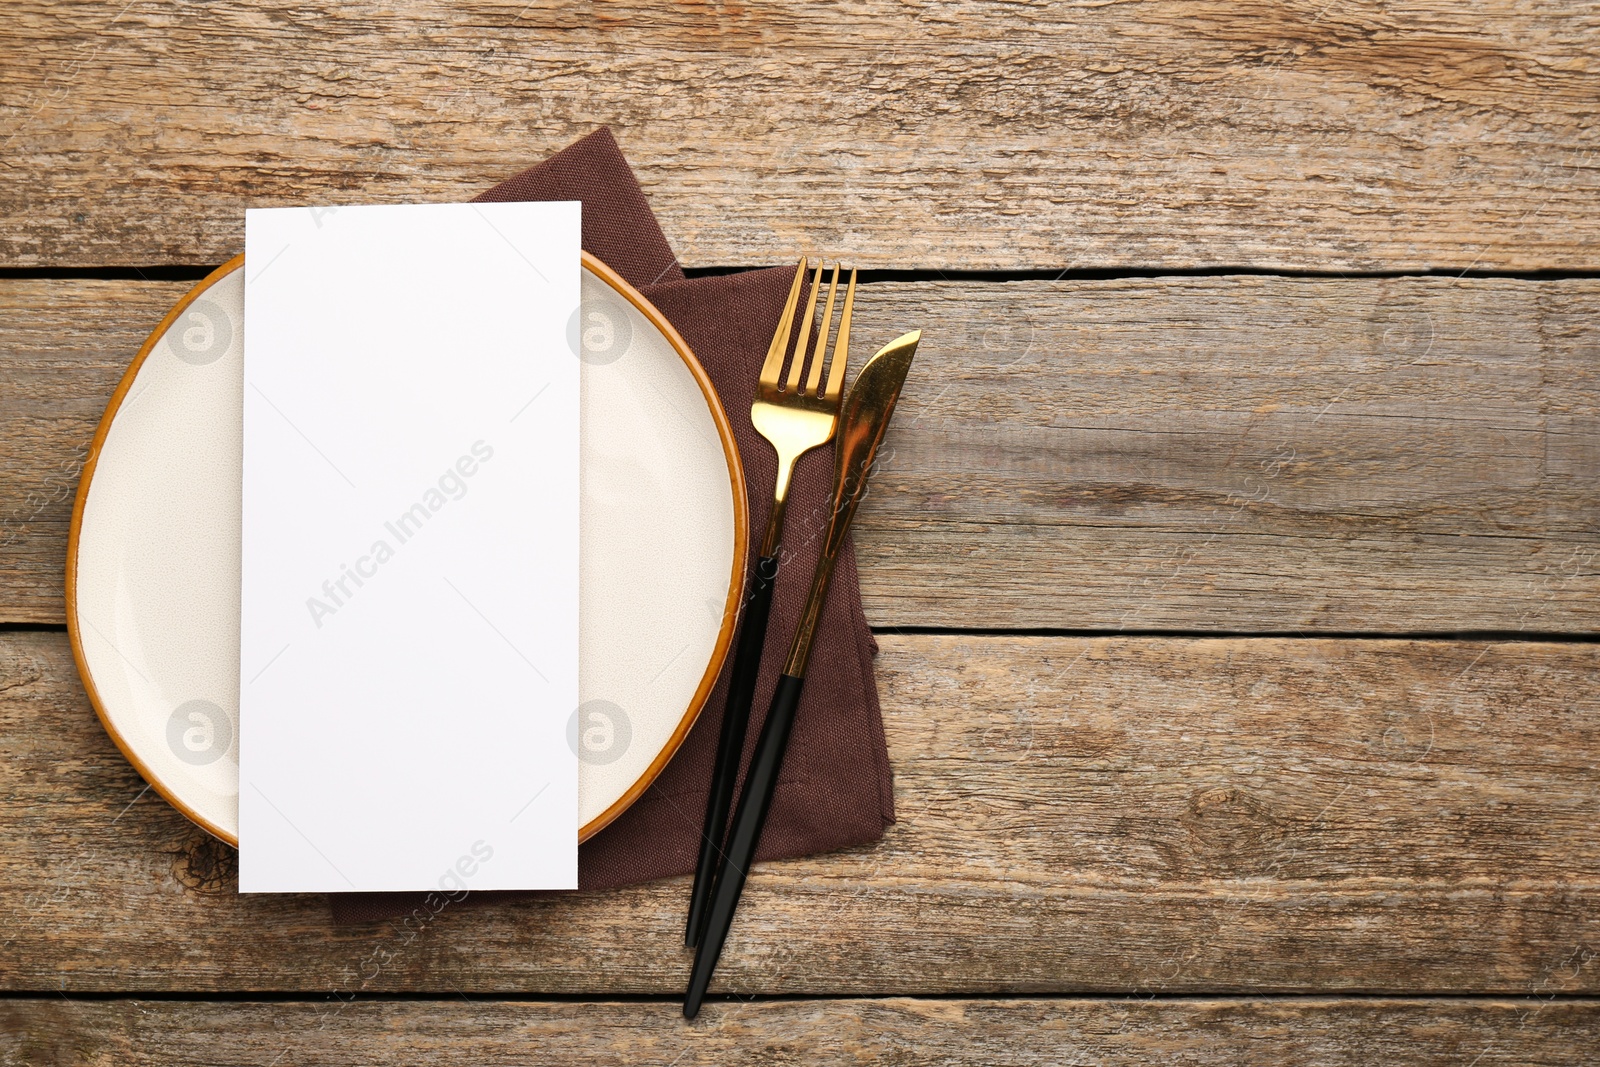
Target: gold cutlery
795,413
863,422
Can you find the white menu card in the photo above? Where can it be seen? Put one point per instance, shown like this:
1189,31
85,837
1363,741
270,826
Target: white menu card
409,648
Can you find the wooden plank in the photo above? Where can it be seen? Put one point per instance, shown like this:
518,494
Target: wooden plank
892,1031
1365,135
1127,816
1246,454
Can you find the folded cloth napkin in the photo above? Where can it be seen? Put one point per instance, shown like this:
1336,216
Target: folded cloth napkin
836,788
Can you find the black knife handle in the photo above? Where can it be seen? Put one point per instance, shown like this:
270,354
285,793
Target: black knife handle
759,786
730,743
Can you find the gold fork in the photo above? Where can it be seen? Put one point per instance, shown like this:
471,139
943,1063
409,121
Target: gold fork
796,418
795,413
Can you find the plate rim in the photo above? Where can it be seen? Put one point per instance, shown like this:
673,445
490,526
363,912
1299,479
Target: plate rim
730,610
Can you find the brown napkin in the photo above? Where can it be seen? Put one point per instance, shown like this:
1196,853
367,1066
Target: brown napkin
836,788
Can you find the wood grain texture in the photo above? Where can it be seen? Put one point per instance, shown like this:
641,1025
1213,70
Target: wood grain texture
896,1032
1172,133
1244,454
1127,816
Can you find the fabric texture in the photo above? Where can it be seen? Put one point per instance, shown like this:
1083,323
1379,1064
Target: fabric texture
836,788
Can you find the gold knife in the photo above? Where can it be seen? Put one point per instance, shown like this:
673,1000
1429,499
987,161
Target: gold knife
862,424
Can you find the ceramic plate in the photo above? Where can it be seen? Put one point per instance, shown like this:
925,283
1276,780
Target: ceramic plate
153,561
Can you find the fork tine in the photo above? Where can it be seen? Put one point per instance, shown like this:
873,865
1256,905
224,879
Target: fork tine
772,369
805,333
841,347
820,353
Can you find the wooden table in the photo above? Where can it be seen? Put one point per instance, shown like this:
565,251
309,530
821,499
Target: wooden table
1235,567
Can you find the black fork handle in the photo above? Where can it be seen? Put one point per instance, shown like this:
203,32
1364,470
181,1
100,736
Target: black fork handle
730,743
759,786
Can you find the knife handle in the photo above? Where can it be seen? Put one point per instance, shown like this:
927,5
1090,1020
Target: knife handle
730,743
759,786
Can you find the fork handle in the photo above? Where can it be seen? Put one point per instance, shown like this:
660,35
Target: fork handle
730,743
759,786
